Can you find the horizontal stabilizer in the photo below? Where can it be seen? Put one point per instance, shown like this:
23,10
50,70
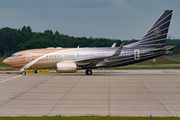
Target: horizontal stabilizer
165,48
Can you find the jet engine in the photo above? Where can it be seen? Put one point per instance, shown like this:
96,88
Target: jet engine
66,67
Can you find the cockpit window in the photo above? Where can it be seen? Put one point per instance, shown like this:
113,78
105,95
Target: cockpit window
15,56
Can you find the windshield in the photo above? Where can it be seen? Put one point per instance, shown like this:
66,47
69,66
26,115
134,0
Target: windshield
15,56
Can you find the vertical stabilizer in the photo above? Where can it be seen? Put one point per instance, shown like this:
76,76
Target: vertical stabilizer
156,35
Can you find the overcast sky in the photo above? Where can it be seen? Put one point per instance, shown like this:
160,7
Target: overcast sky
114,19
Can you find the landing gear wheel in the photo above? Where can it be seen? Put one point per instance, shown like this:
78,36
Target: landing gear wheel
88,72
23,73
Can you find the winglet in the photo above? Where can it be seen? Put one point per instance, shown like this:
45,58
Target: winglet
118,51
114,45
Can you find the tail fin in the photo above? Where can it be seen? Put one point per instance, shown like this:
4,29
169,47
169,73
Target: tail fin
156,35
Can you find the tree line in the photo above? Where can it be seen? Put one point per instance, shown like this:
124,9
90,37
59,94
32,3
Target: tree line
174,42
14,40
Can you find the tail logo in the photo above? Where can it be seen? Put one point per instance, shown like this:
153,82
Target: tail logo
157,31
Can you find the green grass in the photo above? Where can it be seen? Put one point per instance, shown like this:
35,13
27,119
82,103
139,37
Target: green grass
175,56
4,67
88,118
159,60
1,61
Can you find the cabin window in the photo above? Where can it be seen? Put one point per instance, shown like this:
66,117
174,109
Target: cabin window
49,55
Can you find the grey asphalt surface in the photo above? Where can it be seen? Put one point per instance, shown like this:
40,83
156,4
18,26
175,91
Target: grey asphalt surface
76,94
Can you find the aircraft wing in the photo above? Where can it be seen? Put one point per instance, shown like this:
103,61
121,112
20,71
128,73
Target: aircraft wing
99,59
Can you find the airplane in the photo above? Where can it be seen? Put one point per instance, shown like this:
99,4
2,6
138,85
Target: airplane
65,60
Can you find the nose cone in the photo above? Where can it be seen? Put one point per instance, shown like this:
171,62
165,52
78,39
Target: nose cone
6,61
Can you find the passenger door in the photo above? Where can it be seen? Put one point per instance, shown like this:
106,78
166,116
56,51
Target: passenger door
28,56
136,54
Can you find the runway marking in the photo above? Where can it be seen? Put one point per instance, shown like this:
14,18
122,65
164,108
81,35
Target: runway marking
155,96
171,80
10,78
65,94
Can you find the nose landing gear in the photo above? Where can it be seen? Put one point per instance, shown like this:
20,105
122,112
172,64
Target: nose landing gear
88,72
23,73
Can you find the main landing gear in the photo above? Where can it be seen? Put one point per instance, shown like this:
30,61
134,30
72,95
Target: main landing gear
88,72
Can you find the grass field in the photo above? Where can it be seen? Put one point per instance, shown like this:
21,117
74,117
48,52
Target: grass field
3,66
175,56
88,118
1,61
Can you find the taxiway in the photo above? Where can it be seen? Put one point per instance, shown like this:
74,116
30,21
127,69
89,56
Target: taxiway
103,94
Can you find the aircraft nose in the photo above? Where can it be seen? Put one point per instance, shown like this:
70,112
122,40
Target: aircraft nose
6,61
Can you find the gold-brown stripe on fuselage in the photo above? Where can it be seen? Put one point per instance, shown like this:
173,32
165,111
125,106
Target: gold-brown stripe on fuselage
35,53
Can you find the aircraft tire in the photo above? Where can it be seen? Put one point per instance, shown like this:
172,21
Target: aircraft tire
88,72
23,73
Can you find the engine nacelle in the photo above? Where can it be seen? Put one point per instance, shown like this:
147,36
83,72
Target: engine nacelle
66,67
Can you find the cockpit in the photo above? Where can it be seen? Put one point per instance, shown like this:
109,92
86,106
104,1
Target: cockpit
15,56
